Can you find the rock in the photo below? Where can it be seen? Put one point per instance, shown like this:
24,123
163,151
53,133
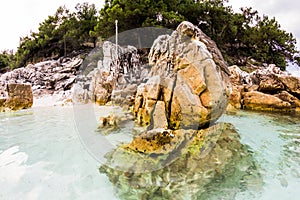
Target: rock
235,98
124,97
259,101
189,75
156,141
238,76
270,84
101,95
152,88
45,77
110,121
285,96
292,84
19,97
159,116
116,72
165,164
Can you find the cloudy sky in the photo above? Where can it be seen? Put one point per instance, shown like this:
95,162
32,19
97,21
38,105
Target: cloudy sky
18,18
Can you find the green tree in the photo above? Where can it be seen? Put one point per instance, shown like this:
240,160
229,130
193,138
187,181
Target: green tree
239,36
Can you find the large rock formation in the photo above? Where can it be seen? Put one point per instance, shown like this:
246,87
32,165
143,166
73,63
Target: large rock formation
188,76
181,152
265,89
17,96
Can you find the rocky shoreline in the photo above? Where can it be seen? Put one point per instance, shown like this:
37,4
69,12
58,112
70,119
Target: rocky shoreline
264,89
50,79
122,79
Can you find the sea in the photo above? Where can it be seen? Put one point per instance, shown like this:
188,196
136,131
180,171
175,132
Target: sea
44,155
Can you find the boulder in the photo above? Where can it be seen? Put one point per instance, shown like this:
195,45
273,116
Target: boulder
265,102
271,84
238,76
292,84
189,75
285,96
235,98
19,97
159,116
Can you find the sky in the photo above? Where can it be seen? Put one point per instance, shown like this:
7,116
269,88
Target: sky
18,18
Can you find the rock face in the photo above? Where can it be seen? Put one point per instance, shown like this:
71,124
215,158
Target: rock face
188,76
115,78
19,96
187,169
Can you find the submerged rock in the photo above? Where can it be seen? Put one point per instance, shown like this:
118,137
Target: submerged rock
188,169
189,76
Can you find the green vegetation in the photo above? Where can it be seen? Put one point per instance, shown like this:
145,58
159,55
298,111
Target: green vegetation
6,60
241,36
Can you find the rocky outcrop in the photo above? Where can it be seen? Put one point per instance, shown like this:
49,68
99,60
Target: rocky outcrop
177,165
188,76
187,89
267,89
115,77
18,96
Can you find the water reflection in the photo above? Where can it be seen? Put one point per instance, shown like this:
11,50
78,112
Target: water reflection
226,170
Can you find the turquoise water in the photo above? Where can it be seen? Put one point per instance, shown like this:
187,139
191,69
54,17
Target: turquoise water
274,140
43,154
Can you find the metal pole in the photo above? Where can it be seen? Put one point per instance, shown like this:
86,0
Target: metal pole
116,39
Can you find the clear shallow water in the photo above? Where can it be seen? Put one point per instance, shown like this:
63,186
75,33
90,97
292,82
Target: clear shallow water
274,140
42,155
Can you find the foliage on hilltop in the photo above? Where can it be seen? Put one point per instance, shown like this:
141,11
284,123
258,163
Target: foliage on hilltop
240,36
